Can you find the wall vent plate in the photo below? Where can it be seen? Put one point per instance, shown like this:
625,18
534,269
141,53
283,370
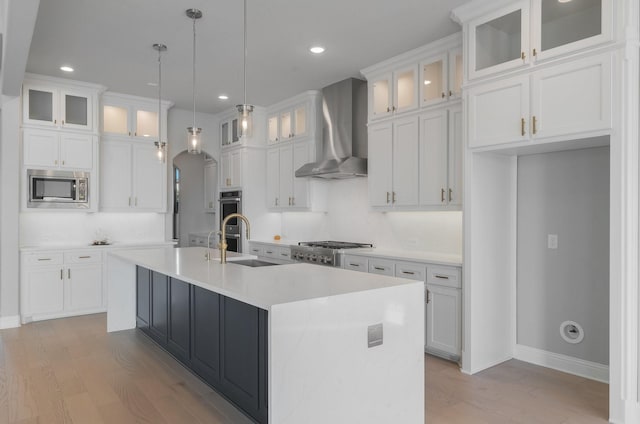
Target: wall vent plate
374,335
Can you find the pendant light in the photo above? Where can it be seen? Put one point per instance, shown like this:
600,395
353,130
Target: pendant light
245,124
160,145
194,139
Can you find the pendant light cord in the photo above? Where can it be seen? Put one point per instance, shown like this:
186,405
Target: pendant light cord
245,55
159,96
194,75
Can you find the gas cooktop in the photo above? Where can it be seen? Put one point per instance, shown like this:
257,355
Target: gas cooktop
334,244
322,252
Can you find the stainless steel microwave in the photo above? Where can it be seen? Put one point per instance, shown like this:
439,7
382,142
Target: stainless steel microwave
58,189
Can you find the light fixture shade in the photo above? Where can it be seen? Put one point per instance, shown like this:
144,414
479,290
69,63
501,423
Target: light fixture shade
161,151
245,120
194,140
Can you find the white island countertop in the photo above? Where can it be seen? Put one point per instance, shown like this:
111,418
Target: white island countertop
264,286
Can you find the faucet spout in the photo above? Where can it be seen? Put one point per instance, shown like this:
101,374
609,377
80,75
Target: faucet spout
223,242
208,254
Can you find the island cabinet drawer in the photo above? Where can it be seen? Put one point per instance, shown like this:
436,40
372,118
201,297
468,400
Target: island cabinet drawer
444,276
275,252
356,263
83,257
44,258
382,267
284,253
411,270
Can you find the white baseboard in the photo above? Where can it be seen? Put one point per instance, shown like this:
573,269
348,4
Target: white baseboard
10,322
564,363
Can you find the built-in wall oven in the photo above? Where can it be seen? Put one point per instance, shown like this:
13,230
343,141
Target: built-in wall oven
57,189
231,202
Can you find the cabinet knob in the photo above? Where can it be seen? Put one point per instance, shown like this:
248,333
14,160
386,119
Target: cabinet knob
442,195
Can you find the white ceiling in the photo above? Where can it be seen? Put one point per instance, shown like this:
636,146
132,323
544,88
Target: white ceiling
109,42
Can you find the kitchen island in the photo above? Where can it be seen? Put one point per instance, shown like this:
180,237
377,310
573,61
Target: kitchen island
339,346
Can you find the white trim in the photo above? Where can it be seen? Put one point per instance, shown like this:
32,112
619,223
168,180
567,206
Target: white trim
12,321
564,363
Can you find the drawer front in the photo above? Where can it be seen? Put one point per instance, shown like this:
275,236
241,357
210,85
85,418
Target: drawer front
271,252
256,250
83,257
202,241
411,270
284,253
356,263
44,258
382,267
444,276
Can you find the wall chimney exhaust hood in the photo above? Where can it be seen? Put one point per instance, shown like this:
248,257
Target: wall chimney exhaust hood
344,132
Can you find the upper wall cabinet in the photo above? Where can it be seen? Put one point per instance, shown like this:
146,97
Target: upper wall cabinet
47,103
527,32
293,119
129,116
428,76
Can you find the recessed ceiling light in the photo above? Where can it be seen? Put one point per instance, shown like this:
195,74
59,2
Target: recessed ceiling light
316,49
223,97
427,82
66,68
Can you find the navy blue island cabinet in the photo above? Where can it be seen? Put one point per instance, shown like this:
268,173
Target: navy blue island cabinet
221,340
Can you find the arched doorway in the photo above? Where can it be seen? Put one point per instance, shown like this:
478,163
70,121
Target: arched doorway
195,184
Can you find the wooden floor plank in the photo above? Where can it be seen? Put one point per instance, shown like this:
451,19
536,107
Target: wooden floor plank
72,371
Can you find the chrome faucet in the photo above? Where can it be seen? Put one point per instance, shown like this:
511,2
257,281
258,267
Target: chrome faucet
208,254
223,238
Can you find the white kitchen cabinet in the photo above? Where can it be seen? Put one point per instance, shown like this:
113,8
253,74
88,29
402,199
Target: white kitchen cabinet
284,190
410,270
355,263
292,119
55,284
381,266
231,169
565,100
271,252
527,32
444,321
393,92
441,158
210,187
393,163
441,78
132,116
229,131
58,150
132,179
57,106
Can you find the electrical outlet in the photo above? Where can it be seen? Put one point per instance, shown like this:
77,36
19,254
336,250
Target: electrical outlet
552,241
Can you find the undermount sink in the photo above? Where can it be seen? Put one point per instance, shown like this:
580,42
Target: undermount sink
253,263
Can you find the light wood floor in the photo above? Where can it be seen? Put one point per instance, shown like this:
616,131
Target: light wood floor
71,371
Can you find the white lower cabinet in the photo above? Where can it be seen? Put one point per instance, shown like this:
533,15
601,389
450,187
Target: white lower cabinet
271,252
55,284
231,169
444,321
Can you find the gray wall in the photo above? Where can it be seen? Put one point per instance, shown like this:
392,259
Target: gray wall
564,193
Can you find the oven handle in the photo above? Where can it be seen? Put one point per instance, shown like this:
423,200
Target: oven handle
229,199
235,236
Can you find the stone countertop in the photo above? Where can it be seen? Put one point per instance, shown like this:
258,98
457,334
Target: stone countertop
408,255
115,245
263,287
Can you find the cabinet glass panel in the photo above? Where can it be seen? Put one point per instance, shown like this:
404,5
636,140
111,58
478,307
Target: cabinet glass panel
273,128
301,120
234,130
41,105
499,41
285,124
115,120
225,133
75,110
406,89
564,23
432,85
147,123
456,83
381,97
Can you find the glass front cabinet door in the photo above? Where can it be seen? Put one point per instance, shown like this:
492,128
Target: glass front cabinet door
433,83
57,107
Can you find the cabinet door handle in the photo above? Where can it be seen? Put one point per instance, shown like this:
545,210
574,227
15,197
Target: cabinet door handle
69,273
135,201
379,268
450,93
428,296
443,95
269,252
135,133
55,162
129,201
283,254
408,272
535,53
387,197
450,195
55,121
442,277
534,125
84,257
293,201
393,108
522,126
276,204
44,259
356,265
393,197
61,274
442,195
129,133
388,109
522,55
63,162
62,122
